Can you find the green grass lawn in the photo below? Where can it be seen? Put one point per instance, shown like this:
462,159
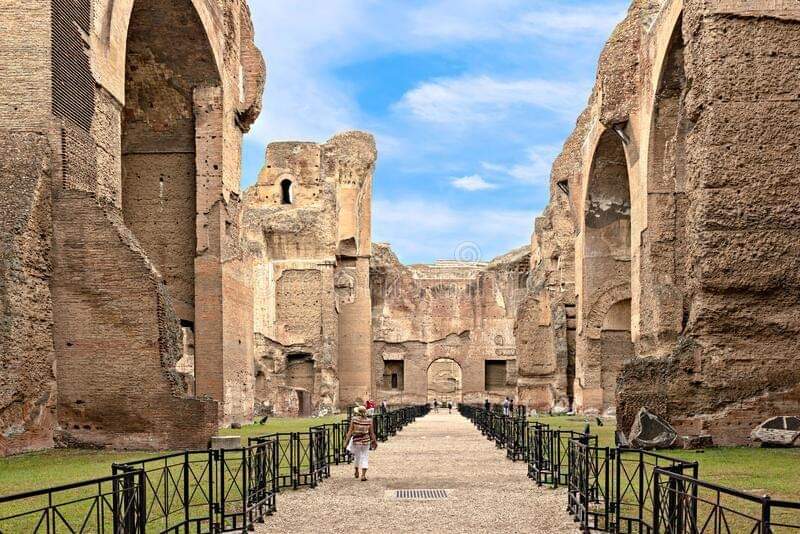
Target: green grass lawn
52,468
759,471
286,424
63,466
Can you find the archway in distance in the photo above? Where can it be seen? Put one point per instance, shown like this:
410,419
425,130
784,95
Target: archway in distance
445,381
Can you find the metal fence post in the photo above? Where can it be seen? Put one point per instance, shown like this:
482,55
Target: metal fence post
246,524
116,527
276,466
212,497
186,503
766,518
640,502
656,503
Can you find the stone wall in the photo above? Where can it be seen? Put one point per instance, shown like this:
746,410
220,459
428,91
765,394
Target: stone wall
27,359
121,133
461,312
306,228
677,181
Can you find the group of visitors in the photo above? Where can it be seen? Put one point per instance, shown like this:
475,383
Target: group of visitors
449,406
508,406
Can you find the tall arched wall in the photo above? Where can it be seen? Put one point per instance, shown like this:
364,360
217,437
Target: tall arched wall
94,327
715,302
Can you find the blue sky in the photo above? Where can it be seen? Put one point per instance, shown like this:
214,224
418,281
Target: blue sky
469,100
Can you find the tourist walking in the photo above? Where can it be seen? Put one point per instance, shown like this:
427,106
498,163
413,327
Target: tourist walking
487,405
362,433
385,406
505,406
449,406
435,406
370,405
511,407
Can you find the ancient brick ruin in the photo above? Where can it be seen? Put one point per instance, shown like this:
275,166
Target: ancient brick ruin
307,234
146,300
670,235
120,135
448,322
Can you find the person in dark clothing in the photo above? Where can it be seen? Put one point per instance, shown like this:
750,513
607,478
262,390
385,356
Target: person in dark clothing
487,405
449,406
511,407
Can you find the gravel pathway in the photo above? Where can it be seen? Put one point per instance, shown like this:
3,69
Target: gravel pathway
440,451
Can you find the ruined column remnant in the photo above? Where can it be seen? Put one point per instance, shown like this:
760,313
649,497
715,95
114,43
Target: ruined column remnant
307,230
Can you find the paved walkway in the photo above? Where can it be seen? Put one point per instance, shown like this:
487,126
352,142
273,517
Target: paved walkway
489,493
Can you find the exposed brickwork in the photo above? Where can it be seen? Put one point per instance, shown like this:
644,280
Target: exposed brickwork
699,96
142,168
462,312
307,230
124,397
27,381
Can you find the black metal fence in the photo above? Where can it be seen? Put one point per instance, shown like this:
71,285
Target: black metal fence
685,505
631,491
197,492
107,505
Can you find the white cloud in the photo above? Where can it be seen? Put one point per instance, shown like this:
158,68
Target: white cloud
513,19
304,41
472,183
476,99
535,169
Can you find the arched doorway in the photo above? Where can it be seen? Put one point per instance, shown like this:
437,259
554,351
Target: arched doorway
606,275
171,82
168,57
445,381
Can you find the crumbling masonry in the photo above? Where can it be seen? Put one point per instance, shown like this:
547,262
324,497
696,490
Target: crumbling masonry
671,232
145,300
120,135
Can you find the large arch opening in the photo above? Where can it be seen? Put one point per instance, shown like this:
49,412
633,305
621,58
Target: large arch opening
168,57
607,241
662,308
445,382
606,270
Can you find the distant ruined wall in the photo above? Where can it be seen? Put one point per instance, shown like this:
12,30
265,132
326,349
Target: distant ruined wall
678,179
303,225
457,311
122,129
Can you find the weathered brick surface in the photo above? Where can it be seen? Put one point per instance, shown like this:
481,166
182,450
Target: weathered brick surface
143,175
27,381
702,97
462,312
120,393
310,265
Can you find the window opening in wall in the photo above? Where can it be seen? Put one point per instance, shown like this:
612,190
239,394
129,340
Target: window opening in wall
286,192
393,375
495,376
